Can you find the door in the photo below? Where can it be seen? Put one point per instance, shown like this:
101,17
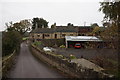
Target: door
55,36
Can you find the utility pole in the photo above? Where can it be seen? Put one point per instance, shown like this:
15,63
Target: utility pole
84,24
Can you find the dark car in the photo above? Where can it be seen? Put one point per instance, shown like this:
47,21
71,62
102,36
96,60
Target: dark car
77,45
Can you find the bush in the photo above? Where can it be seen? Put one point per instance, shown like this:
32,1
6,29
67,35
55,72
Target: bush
72,57
53,42
10,41
37,43
62,46
24,38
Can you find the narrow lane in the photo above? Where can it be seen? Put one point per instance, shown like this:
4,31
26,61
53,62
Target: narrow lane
28,67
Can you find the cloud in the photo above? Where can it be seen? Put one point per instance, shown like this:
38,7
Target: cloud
51,0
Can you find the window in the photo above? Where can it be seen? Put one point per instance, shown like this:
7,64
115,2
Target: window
38,35
63,35
55,36
47,35
71,34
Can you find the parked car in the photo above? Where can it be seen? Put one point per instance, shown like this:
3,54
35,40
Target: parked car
47,49
77,45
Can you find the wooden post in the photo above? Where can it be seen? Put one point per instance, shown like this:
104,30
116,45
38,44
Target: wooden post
66,44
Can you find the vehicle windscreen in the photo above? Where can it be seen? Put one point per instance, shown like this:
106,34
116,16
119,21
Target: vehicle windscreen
77,44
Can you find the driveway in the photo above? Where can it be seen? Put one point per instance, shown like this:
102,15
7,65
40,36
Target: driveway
89,53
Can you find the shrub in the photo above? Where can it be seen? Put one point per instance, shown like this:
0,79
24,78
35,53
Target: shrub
72,57
62,46
37,43
24,38
10,41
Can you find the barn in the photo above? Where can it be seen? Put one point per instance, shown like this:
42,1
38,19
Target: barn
83,40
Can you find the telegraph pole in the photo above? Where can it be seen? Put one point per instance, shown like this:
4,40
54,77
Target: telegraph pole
84,24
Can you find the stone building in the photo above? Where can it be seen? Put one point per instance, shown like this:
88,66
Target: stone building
83,30
58,32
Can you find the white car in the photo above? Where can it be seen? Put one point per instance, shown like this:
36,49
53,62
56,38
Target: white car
47,49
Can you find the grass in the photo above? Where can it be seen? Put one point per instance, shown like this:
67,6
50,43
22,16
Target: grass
72,57
62,46
24,38
37,43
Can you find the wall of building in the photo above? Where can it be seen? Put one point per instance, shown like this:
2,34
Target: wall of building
38,36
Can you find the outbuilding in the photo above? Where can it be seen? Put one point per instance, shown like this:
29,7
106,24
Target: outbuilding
84,40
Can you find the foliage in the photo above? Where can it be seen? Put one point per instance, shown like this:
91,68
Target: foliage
37,43
24,38
39,23
70,24
112,16
7,63
22,26
94,25
53,25
62,46
96,29
72,57
10,41
53,42
110,33
111,11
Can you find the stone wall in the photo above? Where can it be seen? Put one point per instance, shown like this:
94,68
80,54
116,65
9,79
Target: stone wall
7,63
65,65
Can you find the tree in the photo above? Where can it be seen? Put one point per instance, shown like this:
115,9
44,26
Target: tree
112,15
111,11
39,23
106,24
53,25
96,31
94,25
70,24
10,41
22,26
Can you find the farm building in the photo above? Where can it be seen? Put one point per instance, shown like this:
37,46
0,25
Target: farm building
83,40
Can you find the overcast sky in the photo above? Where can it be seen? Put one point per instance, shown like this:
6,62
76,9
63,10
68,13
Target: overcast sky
60,11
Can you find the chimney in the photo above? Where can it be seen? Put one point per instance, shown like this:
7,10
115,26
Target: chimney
42,26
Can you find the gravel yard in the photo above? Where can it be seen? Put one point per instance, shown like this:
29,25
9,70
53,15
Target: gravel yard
88,53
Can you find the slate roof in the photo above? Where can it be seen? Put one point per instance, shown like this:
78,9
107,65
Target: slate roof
57,29
43,30
66,29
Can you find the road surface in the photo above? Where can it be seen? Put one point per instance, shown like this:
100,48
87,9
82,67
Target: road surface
29,67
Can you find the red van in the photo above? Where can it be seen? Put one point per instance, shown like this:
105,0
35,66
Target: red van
77,45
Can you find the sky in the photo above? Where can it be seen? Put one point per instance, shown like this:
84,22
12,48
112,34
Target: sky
60,12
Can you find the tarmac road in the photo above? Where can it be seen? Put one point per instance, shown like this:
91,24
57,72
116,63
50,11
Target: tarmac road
29,67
